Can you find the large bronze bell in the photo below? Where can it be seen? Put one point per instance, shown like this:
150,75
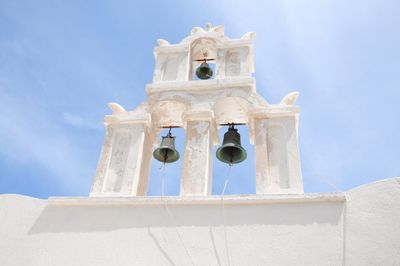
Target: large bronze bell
204,71
231,151
166,152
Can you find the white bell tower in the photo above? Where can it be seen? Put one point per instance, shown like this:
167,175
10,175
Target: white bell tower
176,98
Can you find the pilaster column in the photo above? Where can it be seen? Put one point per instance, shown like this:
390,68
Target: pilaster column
197,162
277,157
124,163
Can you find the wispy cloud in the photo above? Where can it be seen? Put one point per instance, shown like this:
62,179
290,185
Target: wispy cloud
29,136
79,121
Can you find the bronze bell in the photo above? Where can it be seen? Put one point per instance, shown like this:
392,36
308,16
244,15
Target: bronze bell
231,151
204,71
166,152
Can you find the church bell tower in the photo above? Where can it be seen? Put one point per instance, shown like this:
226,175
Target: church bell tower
200,84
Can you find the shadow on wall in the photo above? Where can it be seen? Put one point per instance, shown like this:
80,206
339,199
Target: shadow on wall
109,218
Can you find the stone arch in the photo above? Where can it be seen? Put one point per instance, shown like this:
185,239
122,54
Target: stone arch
168,113
198,48
231,109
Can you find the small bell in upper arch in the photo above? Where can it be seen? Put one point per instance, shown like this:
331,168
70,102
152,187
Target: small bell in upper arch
231,151
204,71
166,152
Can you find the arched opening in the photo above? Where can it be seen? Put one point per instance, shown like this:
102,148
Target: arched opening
241,179
165,178
201,49
165,114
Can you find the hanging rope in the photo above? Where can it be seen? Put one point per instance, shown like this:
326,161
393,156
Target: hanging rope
326,180
170,215
321,177
223,213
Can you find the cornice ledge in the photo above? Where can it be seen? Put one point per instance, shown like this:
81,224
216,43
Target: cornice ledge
127,118
200,85
275,111
198,200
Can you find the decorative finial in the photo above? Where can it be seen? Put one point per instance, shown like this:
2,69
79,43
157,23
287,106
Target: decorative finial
162,42
116,108
208,28
290,99
249,36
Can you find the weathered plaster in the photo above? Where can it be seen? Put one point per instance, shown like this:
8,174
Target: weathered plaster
196,176
123,168
277,155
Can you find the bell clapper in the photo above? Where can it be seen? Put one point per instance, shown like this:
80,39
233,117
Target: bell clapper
169,135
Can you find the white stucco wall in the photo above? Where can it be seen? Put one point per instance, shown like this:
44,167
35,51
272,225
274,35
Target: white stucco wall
373,224
359,227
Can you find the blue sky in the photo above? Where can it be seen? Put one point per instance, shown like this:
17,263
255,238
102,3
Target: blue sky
61,62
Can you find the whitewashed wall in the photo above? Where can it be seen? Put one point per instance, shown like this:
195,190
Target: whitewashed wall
359,227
